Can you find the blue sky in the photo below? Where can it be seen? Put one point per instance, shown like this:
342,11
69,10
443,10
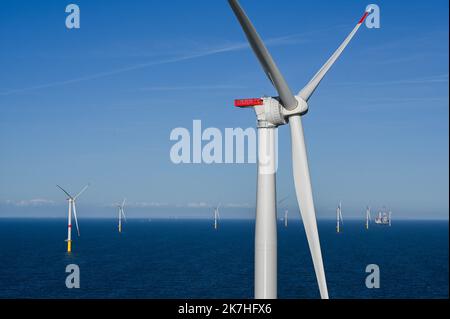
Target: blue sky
98,104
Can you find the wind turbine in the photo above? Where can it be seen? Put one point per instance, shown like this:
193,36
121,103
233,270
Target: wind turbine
285,219
368,219
339,219
216,216
390,215
121,214
72,199
272,112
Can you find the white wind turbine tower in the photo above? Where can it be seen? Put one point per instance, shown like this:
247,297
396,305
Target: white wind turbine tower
271,113
216,216
121,214
339,219
72,207
368,219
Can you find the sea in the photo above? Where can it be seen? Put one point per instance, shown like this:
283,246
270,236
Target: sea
189,259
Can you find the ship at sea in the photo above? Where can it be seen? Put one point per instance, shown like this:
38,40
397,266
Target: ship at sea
383,218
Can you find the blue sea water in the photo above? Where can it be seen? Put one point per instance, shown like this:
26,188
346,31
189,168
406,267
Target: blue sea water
189,259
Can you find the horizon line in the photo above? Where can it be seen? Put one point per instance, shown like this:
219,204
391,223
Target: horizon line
353,219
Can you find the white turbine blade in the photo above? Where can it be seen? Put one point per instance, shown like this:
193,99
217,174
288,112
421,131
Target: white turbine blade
309,89
123,203
75,216
305,200
82,191
123,214
270,68
340,216
64,191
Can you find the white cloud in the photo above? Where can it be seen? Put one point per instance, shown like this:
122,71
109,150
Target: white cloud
148,204
31,202
198,205
238,205
139,204
42,202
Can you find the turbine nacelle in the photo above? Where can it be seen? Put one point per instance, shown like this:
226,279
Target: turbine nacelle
270,112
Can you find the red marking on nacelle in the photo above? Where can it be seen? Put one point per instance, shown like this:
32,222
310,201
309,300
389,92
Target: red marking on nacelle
248,102
363,17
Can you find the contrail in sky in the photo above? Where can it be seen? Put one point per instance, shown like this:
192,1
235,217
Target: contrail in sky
290,39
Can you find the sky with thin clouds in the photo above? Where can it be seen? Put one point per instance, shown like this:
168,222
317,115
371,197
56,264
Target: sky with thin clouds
97,105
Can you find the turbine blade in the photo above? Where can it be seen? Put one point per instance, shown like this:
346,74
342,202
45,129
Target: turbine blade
64,191
123,214
340,215
75,216
123,203
82,191
270,68
309,89
305,200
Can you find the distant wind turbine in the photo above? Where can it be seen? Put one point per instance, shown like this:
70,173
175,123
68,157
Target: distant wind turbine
285,219
390,216
216,216
368,219
121,214
339,219
71,199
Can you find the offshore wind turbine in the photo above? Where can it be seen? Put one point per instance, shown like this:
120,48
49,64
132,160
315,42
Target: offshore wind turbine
368,219
339,219
72,207
216,217
272,112
390,215
121,214
285,219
